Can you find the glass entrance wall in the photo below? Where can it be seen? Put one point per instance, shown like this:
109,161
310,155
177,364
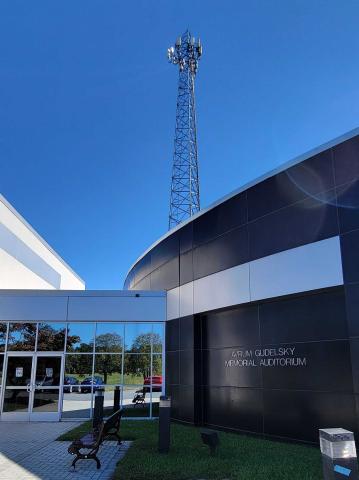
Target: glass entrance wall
125,359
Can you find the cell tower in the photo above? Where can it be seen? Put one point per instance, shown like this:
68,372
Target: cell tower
185,183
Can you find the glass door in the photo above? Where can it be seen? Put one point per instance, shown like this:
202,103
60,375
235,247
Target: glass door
45,402
32,387
17,387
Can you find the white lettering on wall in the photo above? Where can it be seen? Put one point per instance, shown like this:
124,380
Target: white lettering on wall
266,357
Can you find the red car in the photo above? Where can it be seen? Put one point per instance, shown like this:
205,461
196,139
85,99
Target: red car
156,381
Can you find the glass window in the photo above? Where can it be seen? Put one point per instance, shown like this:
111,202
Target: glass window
75,405
157,337
138,337
137,369
46,400
18,372
51,337
157,369
22,336
1,367
109,337
136,401
77,386
48,371
79,368
109,368
80,337
112,396
16,400
3,330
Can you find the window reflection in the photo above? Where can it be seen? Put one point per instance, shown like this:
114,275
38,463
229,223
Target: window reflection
138,337
157,337
76,406
136,401
109,337
46,400
112,396
16,400
78,367
3,330
18,371
80,337
1,367
22,336
85,371
157,369
51,337
109,368
137,369
48,371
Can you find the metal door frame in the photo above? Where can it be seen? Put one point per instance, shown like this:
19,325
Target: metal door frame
30,415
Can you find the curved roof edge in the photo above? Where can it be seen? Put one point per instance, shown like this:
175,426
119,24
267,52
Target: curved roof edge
246,186
39,237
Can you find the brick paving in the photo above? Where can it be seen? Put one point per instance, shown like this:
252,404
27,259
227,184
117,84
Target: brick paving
28,451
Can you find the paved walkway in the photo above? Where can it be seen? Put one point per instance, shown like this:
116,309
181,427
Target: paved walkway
28,451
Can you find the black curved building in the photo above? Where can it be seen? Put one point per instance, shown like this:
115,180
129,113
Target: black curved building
262,329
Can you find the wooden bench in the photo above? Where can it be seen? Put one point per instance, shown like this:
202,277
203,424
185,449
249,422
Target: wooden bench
86,447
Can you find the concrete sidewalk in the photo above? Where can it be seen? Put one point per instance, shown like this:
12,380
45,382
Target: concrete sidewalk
28,451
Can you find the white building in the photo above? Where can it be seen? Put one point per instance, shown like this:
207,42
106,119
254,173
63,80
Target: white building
26,260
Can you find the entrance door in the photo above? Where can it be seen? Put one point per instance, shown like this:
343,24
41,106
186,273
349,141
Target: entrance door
17,387
32,387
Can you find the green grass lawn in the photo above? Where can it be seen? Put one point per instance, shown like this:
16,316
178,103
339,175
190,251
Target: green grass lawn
239,457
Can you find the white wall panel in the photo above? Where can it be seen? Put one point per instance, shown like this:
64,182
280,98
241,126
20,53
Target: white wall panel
312,266
82,306
22,242
173,303
186,299
22,254
119,308
222,289
33,307
14,275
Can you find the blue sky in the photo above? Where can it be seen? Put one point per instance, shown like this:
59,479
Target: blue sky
87,109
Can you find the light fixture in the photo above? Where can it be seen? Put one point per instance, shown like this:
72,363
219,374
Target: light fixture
339,455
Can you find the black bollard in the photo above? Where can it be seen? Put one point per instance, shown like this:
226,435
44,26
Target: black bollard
116,399
164,425
98,408
338,454
210,438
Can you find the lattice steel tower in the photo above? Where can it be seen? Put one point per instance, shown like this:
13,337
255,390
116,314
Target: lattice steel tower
185,183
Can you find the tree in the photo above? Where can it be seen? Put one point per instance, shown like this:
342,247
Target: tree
53,339
105,364
22,336
108,364
140,363
79,365
50,338
109,342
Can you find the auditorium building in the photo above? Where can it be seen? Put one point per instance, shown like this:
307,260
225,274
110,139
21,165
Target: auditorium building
246,314
262,330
